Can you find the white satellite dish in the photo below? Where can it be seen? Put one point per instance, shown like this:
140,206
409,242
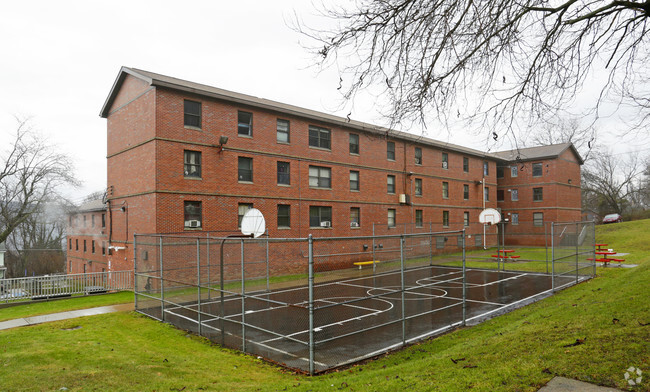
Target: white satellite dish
489,216
253,223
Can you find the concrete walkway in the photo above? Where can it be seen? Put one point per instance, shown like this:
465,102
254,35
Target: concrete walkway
21,322
561,384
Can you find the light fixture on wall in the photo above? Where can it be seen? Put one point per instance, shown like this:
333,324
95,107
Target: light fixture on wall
222,141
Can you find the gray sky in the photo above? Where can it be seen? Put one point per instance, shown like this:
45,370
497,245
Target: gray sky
60,58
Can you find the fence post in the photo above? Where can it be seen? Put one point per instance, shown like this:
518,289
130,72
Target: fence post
198,280
162,281
577,249
401,258
311,303
593,247
430,243
135,271
552,257
464,283
546,245
207,255
268,284
243,300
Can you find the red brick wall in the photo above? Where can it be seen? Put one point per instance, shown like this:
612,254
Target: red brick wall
77,233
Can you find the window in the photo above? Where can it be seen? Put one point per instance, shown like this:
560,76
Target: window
92,220
445,160
320,216
418,156
538,194
537,169
70,244
419,221
245,169
500,195
103,220
466,218
319,137
465,192
92,246
418,187
103,248
320,177
282,131
538,219
354,180
284,215
445,190
76,244
478,240
466,164
85,245
284,174
440,242
355,217
500,171
445,218
192,164
242,209
390,151
513,171
486,194
84,220
391,217
514,194
192,114
486,168
354,143
460,241
514,218
244,123
192,214
390,182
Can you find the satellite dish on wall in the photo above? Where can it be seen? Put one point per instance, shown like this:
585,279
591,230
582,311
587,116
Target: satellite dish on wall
253,223
489,216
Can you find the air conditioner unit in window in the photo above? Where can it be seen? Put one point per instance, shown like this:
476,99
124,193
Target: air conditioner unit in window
192,223
404,199
354,224
326,224
444,165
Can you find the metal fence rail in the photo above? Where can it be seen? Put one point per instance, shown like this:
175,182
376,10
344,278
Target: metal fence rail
59,286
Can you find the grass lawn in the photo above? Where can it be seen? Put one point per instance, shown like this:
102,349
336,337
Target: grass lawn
591,332
26,309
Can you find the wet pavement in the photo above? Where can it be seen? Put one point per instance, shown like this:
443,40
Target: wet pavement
561,384
21,322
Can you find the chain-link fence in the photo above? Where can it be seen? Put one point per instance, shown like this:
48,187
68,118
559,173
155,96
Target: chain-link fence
313,304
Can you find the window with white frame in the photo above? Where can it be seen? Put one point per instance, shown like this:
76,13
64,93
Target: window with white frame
537,169
282,127
419,218
514,218
392,222
538,194
354,143
354,180
284,173
355,217
242,209
320,177
245,169
445,190
284,215
390,183
390,151
192,114
514,194
418,156
538,219
514,171
418,187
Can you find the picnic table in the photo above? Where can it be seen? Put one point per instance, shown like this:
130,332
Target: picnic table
606,260
505,254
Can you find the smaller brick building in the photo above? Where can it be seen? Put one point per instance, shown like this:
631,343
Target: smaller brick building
87,238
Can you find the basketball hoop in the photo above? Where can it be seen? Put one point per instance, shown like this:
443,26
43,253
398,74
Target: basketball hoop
489,216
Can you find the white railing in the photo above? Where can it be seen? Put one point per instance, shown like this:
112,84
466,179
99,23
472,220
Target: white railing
57,286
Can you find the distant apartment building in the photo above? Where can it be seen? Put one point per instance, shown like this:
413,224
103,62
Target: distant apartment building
189,158
87,238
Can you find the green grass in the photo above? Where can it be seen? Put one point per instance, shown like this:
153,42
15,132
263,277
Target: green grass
520,351
21,310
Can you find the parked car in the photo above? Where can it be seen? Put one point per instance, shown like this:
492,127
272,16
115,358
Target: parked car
612,218
13,294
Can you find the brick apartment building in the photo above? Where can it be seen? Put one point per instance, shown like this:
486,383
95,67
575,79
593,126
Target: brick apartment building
186,157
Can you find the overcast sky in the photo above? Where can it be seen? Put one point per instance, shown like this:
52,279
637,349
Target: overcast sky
60,59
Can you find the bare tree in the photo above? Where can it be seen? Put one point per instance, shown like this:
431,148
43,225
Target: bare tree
490,60
610,183
565,130
31,173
